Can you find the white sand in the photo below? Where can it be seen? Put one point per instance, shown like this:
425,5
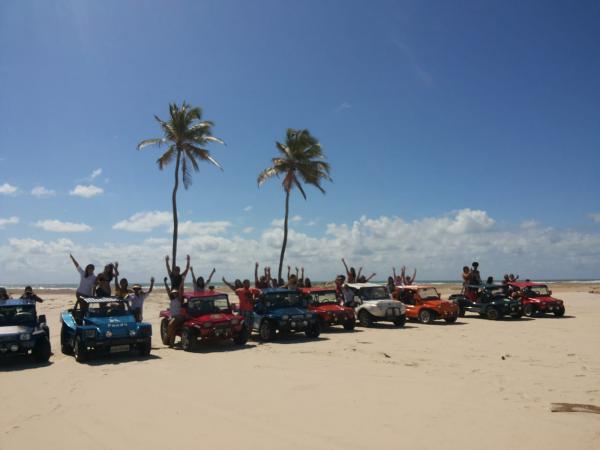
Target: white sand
440,386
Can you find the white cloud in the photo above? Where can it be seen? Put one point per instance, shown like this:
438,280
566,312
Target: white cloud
526,224
201,228
144,222
437,246
8,189
342,106
248,208
279,222
41,191
595,217
86,191
247,230
312,223
57,226
10,221
95,173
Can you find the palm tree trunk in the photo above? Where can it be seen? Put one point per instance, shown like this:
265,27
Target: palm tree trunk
175,219
285,233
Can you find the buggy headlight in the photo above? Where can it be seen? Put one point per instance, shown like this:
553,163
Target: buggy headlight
108,334
90,333
25,336
132,333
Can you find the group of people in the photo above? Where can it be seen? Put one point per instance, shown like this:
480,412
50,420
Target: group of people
27,294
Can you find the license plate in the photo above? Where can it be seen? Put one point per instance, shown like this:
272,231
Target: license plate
119,348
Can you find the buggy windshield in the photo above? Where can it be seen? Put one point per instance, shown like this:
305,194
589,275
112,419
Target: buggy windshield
323,298
374,293
429,293
108,309
274,300
198,306
17,315
537,291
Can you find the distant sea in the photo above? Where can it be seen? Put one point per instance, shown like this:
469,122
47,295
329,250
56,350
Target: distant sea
63,286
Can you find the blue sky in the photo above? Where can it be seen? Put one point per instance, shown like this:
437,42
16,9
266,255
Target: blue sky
424,109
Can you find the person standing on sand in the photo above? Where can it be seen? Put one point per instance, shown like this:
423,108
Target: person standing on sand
136,300
175,275
87,283
247,296
466,277
177,318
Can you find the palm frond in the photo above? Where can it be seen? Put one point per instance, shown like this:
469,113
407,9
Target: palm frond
269,172
202,154
166,157
185,171
154,141
299,186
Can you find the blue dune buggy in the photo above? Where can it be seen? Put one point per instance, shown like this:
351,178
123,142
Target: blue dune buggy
103,325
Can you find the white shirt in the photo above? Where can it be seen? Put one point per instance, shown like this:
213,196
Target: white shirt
86,285
137,301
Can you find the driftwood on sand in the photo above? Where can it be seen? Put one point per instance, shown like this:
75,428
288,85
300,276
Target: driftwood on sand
574,407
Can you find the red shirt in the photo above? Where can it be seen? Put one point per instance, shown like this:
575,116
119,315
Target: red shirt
246,297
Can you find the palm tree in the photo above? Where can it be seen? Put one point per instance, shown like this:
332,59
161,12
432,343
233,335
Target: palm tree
301,161
187,135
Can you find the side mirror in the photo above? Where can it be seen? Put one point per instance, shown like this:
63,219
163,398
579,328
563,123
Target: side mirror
42,318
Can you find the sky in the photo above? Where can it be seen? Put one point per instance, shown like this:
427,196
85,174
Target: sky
456,131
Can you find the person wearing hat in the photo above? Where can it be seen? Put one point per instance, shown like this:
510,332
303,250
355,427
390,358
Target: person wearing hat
136,300
29,295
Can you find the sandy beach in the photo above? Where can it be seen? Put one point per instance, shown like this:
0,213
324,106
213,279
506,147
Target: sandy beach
477,384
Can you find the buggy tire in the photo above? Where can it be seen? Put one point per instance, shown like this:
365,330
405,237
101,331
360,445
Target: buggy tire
426,316
145,348
242,336
188,340
400,321
365,319
559,312
529,310
451,319
313,330
492,314
80,351
41,350
65,347
164,335
266,331
349,324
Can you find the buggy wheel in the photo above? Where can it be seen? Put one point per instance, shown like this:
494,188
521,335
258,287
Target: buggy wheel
559,312
349,324
451,319
145,347
313,330
492,314
41,351
242,336
365,319
80,351
426,316
188,340
65,347
400,321
461,311
529,310
164,335
266,332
